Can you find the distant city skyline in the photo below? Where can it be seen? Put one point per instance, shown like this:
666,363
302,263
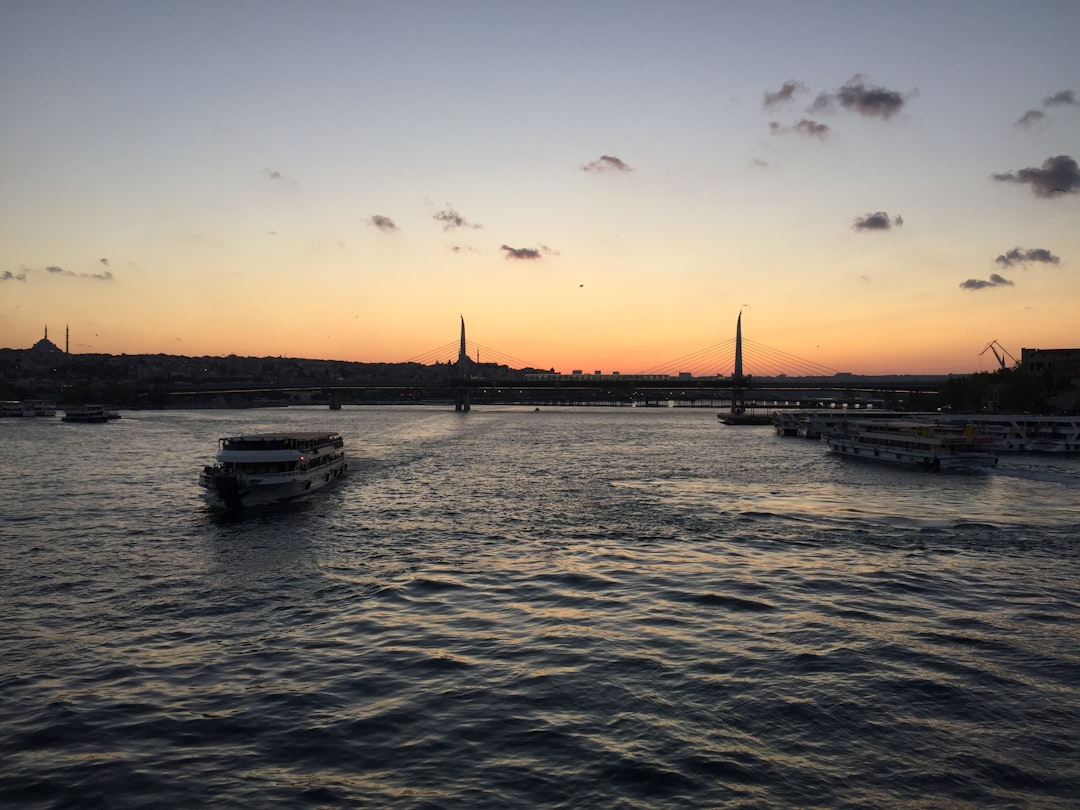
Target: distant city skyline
879,188
718,360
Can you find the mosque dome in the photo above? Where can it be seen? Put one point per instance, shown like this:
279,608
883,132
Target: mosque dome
45,345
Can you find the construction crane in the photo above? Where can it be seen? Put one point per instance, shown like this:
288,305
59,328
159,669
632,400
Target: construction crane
993,346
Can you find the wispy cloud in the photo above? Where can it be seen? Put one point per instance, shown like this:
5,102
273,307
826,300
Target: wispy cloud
1061,97
1019,256
60,271
274,174
858,96
803,127
786,93
1058,175
981,284
528,254
606,163
878,221
24,273
384,224
1030,117
452,219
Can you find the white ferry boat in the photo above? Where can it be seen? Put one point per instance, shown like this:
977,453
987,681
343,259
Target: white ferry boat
921,444
997,432
1008,433
271,468
813,424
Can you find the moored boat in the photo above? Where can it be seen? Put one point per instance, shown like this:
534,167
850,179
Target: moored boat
28,407
920,444
272,468
997,432
786,423
1007,433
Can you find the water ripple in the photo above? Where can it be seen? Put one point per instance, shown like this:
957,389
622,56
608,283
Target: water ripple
579,608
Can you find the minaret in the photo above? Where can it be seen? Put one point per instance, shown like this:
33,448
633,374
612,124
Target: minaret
67,339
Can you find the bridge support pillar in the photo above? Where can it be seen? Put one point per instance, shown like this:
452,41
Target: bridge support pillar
738,395
461,399
738,403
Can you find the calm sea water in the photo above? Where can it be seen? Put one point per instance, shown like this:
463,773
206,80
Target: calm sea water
574,608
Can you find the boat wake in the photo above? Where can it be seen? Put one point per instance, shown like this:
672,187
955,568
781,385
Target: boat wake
1050,475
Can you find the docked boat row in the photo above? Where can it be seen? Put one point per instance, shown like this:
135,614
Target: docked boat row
999,433
44,408
271,468
815,424
28,407
1024,433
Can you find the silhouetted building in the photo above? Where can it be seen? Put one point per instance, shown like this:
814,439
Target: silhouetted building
1059,370
1060,367
46,346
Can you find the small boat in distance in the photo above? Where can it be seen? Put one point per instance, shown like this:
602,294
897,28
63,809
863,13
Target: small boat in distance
919,444
745,418
272,468
91,414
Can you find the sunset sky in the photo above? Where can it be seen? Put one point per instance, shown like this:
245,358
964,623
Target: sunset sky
879,187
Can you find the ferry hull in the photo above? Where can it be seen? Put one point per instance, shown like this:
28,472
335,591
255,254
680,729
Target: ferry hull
958,462
238,491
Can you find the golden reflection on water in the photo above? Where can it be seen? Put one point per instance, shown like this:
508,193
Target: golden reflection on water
914,499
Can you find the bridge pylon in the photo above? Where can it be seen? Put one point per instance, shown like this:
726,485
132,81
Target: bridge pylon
464,368
738,381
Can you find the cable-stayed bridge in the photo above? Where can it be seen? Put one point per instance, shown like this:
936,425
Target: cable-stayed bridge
737,374
717,360
731,372
759,360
